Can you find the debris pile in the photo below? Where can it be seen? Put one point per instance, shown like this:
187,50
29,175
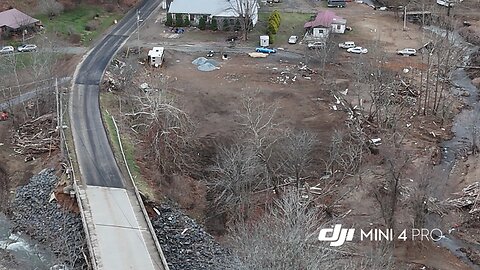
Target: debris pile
36,136
204,64
185,244
109,82
469,196
290,74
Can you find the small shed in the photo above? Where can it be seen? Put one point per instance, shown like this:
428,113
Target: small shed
155,56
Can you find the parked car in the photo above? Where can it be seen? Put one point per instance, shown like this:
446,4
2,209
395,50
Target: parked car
27,48
7,49
316,45
293,40
407,51
265,50
445,3
358,50
347,45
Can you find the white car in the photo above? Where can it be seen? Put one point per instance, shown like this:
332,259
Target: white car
347,45
316,45
407,51
292,40
7,49
27,48
445,3
358,50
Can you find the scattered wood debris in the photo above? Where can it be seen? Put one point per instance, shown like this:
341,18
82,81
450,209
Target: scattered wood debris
36,136
469,197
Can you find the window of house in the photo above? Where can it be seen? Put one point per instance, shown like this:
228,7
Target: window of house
192,17
320,31
339,27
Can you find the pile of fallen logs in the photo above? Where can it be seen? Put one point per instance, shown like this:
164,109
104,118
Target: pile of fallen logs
36,136
469,196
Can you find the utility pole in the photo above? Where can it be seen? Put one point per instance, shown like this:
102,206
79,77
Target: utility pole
58,96
405,18
138,30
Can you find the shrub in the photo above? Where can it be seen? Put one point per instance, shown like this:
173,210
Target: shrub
178,20
186,21
91,26
202,23
169,21
272,29
226,25
213,25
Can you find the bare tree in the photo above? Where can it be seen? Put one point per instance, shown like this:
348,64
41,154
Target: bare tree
321,56
166,128
247,13
296,154
257,121
50,7
284,238
387,195
237,173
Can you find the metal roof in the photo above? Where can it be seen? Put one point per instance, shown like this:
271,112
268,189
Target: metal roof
219,8
325,19
14,18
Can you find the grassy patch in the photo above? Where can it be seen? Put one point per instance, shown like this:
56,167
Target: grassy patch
74,22
128,147
291,25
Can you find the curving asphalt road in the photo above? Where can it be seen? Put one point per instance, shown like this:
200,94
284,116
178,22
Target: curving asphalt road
118,231
94,155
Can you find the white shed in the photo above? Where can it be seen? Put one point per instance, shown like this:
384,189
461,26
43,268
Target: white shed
155,56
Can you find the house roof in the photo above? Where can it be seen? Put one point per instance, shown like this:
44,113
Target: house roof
14,18
325,19
219,8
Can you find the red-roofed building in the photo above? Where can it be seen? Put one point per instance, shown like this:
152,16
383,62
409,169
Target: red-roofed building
325,22
13,20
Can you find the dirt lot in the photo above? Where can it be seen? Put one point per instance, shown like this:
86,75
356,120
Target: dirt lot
213,100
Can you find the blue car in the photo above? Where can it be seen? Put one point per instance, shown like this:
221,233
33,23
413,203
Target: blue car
265,50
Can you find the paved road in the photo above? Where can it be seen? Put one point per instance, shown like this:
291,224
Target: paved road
117,228
97,163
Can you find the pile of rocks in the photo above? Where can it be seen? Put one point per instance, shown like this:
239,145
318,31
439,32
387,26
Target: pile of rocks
185,244
47,222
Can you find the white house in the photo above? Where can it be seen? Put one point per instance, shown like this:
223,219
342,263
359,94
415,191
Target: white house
155,56
218,9
325,22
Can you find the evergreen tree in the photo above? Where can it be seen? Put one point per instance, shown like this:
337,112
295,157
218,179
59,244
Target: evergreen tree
202,23
213,25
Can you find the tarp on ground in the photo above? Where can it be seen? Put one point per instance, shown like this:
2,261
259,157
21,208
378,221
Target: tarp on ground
207,67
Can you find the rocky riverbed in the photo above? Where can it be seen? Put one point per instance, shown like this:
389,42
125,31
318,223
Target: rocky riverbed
185,244
42,219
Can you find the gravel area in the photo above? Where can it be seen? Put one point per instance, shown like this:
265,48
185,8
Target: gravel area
47,223
185,244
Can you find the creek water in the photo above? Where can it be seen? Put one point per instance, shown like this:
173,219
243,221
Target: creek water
461,128
27,253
